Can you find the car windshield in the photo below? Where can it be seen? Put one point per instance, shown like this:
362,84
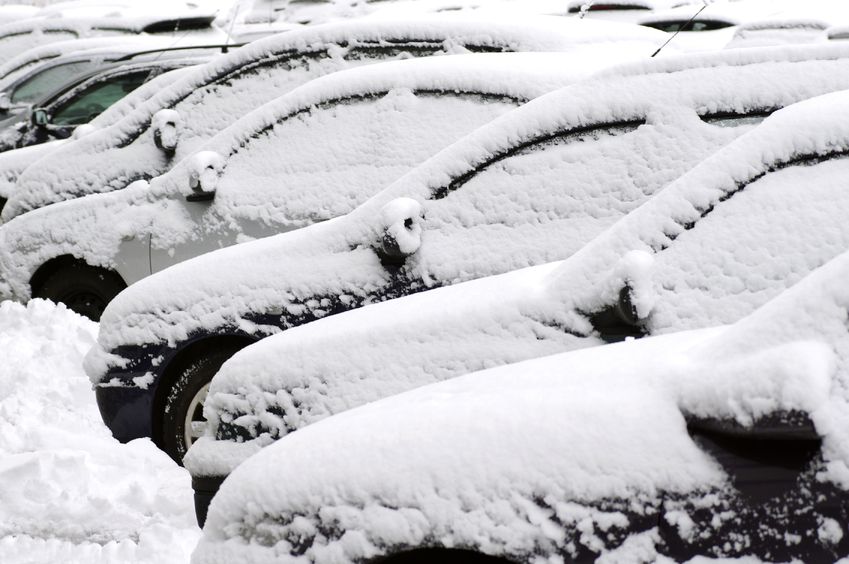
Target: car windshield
39,85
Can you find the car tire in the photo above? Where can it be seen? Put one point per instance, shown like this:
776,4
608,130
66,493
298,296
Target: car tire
183,403
82,288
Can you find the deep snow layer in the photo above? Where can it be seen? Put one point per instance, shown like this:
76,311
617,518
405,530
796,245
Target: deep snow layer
69,492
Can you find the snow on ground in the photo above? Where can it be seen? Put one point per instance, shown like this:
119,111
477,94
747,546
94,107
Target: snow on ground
69,492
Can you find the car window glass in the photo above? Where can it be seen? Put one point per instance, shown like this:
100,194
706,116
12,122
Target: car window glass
547,201
323,162
41,84
93,100
750,247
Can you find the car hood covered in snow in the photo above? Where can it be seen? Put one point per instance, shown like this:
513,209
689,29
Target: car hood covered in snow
226,288
528,460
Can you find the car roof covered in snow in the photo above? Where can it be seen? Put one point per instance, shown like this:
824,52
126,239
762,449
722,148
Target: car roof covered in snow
550,436
178,289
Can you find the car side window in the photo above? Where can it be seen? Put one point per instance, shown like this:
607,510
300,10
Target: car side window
322,162
91,101
749,247
34,88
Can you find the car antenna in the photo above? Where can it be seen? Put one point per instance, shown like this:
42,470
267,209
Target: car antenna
230,31
680,28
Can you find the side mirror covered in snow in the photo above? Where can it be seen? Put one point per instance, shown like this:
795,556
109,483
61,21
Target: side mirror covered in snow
205,168
5,102
166,125
401,221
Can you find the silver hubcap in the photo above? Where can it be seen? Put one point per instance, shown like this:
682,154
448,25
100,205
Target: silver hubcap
195,424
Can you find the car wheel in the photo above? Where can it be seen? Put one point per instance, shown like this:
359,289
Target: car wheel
83,288
182,415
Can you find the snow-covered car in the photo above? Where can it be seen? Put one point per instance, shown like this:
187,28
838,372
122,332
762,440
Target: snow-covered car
621,10
19,36
724,442
306,157
51,102
199,106
711,247
530,188
13,163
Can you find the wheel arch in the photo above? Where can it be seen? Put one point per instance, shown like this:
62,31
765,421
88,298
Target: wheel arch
54,265
180,361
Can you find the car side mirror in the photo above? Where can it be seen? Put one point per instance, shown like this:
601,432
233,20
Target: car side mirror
5,102
401,222
205,169
39,117
166,125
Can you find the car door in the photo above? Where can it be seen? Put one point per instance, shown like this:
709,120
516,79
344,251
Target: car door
318,163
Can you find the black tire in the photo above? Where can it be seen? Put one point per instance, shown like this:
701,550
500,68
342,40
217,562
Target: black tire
186,394
84,289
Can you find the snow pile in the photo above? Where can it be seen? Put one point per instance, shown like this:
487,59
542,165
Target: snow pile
68,491
529,459
586,159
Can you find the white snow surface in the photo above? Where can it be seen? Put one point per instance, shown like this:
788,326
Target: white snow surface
207,107
488,460
496,223
69,491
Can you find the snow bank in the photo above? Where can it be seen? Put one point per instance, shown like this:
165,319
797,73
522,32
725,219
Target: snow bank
69,491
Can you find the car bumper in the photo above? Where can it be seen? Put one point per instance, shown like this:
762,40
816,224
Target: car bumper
126,395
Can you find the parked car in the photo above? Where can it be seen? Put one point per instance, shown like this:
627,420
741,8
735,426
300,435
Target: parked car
13,163
646,275
199,106
726,442
82,86
18,36
532,187
621,10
